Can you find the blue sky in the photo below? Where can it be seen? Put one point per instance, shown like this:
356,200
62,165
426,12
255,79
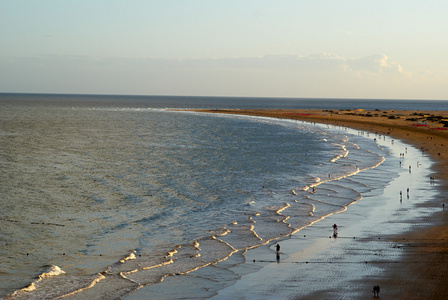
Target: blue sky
335,49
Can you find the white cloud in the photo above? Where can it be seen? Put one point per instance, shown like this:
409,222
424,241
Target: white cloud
322,62
319,75
374,63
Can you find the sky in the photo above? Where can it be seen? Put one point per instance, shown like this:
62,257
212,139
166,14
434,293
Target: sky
374,49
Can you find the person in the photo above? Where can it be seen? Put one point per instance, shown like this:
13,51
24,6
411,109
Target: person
376,291
278,252
335,230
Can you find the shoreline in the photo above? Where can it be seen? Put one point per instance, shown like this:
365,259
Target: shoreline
425,279
431,137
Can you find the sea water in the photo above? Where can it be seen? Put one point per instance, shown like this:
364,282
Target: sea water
106,194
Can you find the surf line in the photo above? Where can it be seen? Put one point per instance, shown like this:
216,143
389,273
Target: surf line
176,255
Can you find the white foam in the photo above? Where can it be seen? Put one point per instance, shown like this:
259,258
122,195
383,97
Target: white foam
129,257
51,271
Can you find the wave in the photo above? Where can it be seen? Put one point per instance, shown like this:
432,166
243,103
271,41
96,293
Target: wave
297,208
339,156
260,228
50,271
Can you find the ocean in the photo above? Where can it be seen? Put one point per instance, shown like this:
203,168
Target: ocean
106,194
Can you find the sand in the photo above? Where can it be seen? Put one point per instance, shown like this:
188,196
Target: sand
422,269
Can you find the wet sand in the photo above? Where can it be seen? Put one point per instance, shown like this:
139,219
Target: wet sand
409,265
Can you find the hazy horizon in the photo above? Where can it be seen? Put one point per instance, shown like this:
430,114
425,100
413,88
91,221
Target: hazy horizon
284,49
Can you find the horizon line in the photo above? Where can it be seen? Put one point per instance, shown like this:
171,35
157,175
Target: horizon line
214,96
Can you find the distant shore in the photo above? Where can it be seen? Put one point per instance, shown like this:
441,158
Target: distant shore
426,131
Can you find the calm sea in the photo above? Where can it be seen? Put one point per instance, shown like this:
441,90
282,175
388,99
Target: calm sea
105,194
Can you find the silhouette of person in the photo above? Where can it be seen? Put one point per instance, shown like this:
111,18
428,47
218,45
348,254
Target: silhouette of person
278,252
376,291
335,230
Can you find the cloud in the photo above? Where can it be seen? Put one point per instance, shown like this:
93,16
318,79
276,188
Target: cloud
322,62
376,64
318,75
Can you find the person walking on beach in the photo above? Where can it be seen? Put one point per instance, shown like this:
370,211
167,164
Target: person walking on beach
376,291
278,252
335,230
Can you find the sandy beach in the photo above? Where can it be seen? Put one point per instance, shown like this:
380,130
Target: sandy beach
420,272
